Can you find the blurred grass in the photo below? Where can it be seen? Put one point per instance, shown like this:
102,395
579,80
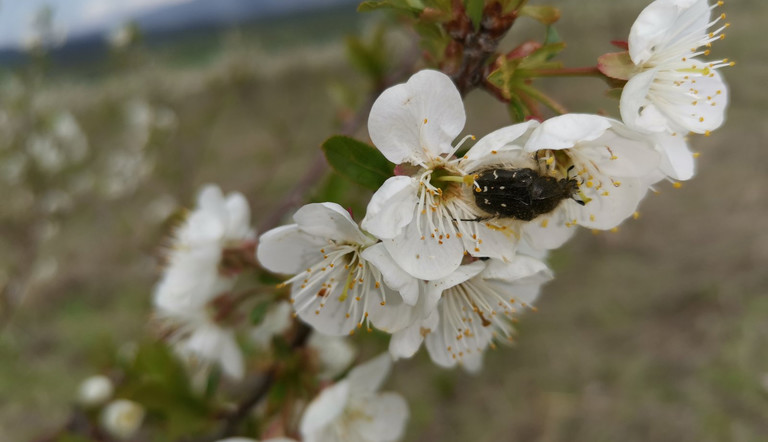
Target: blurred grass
656,332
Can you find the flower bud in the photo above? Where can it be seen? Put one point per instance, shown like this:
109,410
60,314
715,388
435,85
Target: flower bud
121,418
95,391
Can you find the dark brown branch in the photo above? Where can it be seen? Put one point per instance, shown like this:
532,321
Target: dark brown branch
474,46
232,423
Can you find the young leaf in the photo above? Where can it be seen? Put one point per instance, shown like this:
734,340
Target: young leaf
544,14
475,11
259,312
552,36
357,161
401,6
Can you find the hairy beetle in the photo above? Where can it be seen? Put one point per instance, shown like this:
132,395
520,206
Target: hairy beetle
522,194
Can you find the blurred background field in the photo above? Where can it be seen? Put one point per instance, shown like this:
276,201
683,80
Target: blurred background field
655,332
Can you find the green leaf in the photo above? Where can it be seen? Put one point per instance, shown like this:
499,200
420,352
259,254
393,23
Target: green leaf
259,312
544,14
539,59
401,6
518,111
552,36
475,11
357,161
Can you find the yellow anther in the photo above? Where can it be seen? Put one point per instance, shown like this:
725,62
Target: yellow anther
614,230
677,184
706,133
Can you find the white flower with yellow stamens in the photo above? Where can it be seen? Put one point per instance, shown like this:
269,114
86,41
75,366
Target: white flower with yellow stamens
611,164
425,220
475,306
344,278
671,90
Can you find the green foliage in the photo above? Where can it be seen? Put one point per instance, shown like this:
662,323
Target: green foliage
370,57
158,381
259,312
357,161
475,11
400,6
544,14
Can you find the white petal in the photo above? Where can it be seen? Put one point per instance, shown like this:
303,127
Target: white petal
406,342
387,414
507,138
239,219
331,221
607,212
325,408
210,199
497,240
421,255
288,249
418,120
391,207
335,354
523,267
549,231
636,110
677,161
708,112
565,131
665,22
460,275
472,363
621,153
394,276
368,378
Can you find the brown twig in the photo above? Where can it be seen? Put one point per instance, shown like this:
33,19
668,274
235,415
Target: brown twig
474,46
232,422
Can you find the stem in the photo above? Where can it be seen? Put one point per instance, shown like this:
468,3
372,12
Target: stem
543,98
260,390
590,71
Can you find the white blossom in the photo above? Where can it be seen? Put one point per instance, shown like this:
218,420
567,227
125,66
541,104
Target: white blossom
334,353
475,306
353,410
194,277
671,91
122,418
344,279
276,321
95,391
426,219
611,164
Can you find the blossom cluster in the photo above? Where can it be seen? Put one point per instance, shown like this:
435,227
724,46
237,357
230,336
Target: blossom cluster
452,247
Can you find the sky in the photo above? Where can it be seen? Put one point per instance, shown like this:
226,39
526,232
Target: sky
70,16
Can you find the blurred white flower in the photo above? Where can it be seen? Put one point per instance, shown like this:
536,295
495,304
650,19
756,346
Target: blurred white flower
352,410
276,321
95,391
335,354
344,279
122,418
196,275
